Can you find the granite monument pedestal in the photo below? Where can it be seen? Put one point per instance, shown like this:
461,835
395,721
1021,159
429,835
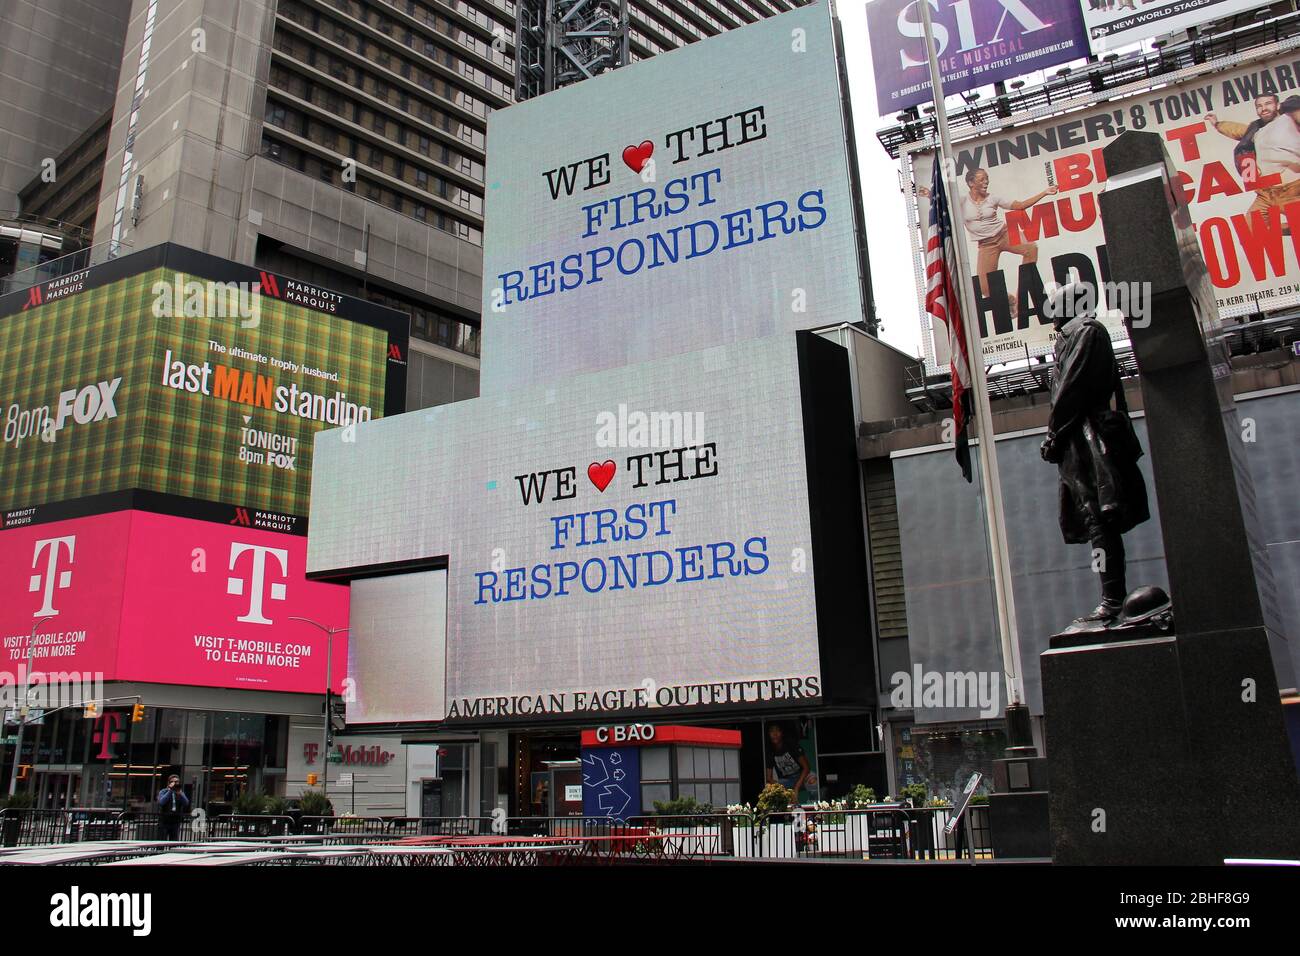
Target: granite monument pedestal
1172,748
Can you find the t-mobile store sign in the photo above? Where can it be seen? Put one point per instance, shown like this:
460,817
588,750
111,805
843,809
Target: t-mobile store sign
148,597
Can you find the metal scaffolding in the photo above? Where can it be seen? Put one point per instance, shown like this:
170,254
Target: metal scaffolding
564,41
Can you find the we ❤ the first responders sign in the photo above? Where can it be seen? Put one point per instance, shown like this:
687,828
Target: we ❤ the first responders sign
700,199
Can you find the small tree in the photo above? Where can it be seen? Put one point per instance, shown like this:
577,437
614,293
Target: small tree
775,799
861,796
249,803
914,792
22,800
313,803
275,806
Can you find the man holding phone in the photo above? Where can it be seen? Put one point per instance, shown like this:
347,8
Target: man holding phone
173,807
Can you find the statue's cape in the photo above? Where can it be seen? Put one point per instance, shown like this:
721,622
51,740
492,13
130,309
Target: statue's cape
1086,374
1091,477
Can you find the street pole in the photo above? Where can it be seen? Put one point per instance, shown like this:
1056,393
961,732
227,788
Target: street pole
22,710
1019,736
329,633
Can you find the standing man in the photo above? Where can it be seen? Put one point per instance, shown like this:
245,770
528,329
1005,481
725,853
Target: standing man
1267,150
173,807
788,764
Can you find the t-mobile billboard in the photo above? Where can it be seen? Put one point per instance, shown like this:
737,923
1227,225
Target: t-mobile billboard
160,599
694,199
629,539
212,605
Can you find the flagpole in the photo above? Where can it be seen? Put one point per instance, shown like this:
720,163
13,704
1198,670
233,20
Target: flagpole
1018,736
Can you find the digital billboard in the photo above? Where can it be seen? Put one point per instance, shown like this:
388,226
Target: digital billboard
1114,23
186,376
61,594
978,42
137,596
1028,199
644,537
697,198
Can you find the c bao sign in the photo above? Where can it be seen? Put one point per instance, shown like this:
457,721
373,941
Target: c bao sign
711,205
625,733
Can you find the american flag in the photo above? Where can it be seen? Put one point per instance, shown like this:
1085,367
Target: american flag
943,302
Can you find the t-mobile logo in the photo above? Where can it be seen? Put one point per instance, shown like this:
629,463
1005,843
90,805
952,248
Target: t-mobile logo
235,585
52,571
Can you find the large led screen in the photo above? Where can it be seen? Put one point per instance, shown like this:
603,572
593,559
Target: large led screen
169,381
694,199
132,595
634,538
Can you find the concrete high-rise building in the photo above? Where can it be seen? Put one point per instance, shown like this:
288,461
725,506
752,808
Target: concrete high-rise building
342,142
58,66
58,69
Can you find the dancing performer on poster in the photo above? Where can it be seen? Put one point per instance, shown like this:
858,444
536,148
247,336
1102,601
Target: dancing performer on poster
986,223
1267,150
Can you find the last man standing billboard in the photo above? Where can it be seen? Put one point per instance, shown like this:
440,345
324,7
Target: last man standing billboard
1027,197
169,382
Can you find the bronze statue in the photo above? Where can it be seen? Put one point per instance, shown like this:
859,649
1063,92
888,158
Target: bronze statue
1102,493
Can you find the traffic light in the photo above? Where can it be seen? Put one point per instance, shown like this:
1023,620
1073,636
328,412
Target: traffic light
91,710
24,771
311,779
137,713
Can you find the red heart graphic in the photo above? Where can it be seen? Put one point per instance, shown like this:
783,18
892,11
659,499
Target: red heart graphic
601,473
637,156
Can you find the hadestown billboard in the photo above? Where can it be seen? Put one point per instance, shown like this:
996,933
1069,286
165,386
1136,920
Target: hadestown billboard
564,550
1027,197
695,199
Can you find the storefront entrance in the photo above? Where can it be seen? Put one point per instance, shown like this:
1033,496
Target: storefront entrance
544,765
58,790
111,762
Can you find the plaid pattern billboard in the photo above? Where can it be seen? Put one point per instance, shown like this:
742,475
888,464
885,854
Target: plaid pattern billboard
227,416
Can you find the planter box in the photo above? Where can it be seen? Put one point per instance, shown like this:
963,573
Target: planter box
849,837
775,841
